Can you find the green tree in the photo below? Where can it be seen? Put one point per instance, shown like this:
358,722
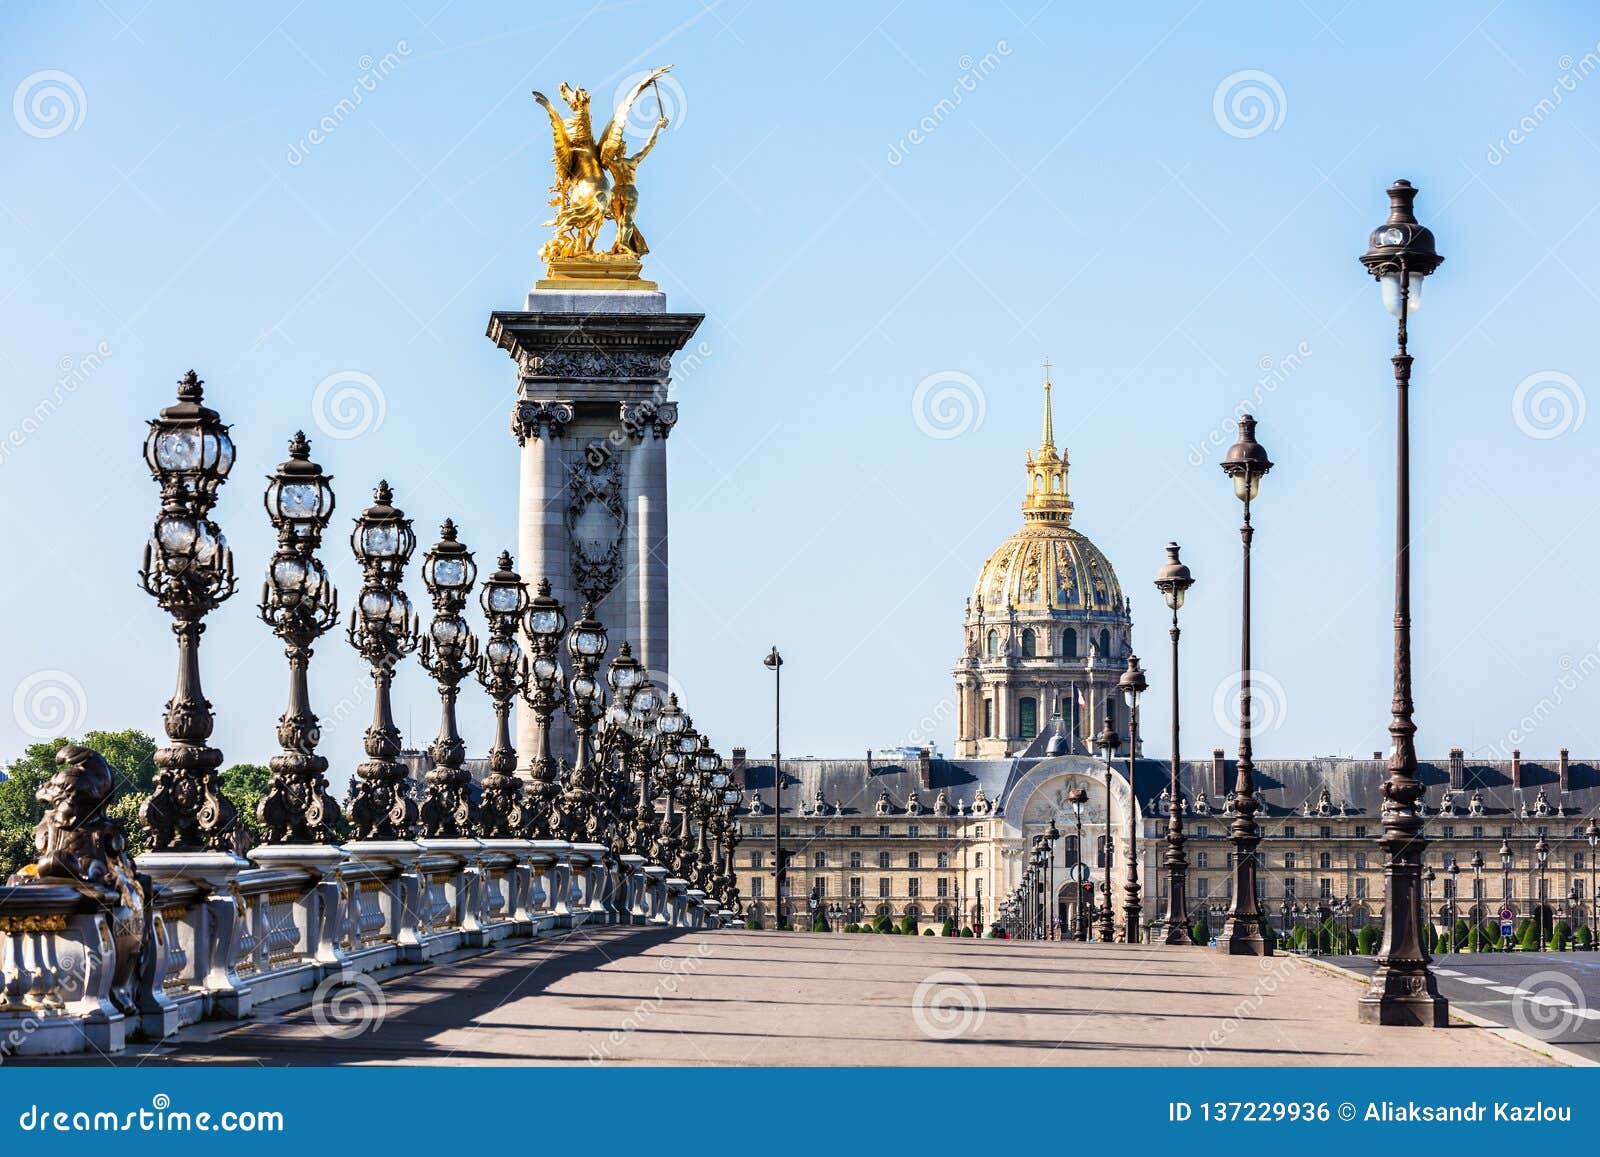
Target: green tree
243,785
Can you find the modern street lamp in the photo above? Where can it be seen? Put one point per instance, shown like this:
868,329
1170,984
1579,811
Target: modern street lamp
1173,580
504,674
1077,797
1541,853
383,629
300,605
774,663
1505,890
1400,254
1107,742
188,570
1246,463
449,653
1133,686
545,623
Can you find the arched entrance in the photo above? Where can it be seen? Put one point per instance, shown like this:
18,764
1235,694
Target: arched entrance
1074,903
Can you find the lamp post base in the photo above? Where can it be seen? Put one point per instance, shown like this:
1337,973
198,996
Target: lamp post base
1239,938
1404,997
1174,932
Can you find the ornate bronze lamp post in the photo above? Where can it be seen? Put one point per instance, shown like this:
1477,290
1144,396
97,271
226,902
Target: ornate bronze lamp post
1173,580
1592,834
644,707
188,569
670,723
1541,856
619,739
1078,797
449,653
586,701
546,691
383,628
503,672
1107,743
1133,686
1246,463
774,663
1400,254
300,605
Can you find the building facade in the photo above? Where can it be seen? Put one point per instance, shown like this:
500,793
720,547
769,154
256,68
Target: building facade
1047,631
1046,635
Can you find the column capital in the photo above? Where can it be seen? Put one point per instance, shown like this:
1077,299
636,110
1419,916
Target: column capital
529,416
641,418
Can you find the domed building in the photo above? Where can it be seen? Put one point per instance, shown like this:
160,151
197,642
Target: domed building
1048,630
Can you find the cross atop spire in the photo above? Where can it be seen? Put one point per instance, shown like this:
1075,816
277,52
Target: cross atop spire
1047,444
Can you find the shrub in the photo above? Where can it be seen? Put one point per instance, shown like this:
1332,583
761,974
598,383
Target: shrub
1528,937
1585,937
1367,939
929,932
966,933
908,925
1201,932
1561,937
819,925
949,928
1459,935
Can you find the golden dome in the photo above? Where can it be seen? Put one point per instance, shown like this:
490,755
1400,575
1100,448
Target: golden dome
1047,566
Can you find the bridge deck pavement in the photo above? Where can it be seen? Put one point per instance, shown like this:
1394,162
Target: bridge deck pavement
649,996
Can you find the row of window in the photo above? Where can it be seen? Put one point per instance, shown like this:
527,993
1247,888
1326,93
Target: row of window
1030,643
758,859
884,831
819,888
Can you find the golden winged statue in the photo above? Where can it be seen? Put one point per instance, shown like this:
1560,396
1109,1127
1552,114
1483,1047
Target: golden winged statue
594,183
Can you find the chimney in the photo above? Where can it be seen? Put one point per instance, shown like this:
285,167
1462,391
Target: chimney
1458,767
740,762
925,766
1516,768
1219,773
1378,755
869,761
1565,768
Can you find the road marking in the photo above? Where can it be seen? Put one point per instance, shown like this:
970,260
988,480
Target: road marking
1552,1001
1586,1013
1445,972
1476,980
1507,990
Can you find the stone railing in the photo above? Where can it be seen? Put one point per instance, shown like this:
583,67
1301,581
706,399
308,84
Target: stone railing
221,936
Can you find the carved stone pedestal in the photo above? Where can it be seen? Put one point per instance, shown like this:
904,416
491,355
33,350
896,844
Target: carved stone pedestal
207,931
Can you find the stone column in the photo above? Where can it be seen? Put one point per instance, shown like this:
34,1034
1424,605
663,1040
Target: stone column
542,550
592,415
647,425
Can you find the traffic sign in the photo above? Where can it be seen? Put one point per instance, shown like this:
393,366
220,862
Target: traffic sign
1079,872
1505,928
1506,914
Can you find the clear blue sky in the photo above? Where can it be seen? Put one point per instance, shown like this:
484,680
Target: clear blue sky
1082,198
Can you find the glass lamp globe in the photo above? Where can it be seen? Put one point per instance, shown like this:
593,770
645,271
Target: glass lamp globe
546,619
